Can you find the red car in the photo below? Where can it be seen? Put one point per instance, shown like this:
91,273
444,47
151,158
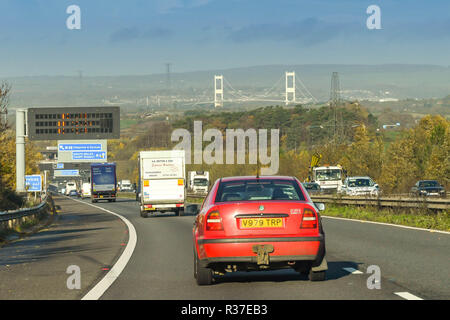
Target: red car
258,223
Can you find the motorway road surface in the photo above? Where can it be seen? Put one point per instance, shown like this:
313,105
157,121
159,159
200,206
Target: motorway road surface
413,263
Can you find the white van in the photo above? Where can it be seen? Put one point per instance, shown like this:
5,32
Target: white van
70,186
86,190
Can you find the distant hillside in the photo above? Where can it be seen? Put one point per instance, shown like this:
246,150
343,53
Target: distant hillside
372,82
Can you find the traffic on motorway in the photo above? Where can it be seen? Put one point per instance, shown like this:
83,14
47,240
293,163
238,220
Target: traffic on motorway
224,159
245,223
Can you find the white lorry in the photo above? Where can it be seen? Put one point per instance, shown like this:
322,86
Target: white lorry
198,181
329,178
162,181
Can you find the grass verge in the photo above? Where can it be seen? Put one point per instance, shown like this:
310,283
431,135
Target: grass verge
419,218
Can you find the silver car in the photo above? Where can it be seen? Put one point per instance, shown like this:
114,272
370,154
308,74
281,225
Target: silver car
360,186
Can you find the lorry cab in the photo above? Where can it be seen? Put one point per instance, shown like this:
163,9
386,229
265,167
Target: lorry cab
198,181
329,178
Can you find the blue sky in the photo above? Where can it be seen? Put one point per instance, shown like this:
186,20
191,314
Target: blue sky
139,37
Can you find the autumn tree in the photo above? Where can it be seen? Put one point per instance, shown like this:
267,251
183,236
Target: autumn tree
364,156
5,89
422,154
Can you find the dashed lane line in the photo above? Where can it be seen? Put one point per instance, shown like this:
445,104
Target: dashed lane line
407,296
404,295
352,270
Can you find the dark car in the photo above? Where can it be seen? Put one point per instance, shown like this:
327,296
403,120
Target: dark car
73,193
312,187
428,188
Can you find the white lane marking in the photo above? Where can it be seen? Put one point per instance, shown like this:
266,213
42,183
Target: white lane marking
407,296
352,270
103,285
387,224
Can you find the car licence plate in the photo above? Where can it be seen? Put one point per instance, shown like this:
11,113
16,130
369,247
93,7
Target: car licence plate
261,223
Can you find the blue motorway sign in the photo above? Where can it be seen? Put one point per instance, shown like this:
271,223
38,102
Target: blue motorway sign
66,173
33,183
92,155
80,147
70,151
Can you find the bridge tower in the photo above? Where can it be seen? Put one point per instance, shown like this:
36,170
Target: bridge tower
290,87
218,91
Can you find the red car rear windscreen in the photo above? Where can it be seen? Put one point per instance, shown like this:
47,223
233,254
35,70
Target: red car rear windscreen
258,190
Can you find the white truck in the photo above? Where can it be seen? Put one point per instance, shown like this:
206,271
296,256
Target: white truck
329,178
198,181
162,181
125,186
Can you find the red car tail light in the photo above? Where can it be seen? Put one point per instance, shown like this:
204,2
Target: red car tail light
309,219
214,221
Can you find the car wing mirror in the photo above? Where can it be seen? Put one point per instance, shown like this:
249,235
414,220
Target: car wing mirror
320,206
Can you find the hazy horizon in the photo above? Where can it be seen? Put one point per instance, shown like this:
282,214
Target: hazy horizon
87,75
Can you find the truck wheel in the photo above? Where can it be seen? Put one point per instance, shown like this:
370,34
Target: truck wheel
317,276
204,275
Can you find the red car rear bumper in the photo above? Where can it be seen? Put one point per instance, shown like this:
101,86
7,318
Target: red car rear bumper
241,249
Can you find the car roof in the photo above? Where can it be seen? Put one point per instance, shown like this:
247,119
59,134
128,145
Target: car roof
236,178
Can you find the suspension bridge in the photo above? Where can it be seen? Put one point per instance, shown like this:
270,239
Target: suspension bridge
290,91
